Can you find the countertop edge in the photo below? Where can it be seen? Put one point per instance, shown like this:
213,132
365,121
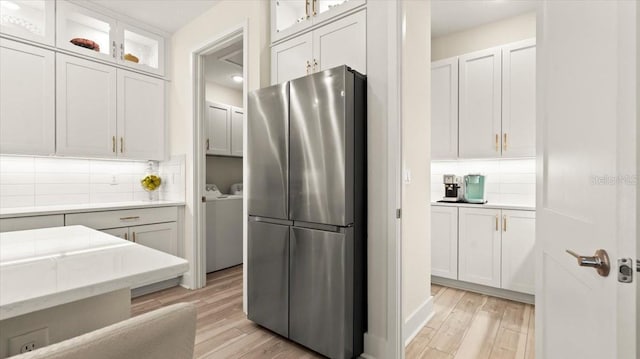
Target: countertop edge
486,205
53,210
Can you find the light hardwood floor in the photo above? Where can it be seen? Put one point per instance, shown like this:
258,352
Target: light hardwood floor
474,326
466,325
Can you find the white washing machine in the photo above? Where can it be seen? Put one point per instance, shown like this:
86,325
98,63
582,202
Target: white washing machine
224,229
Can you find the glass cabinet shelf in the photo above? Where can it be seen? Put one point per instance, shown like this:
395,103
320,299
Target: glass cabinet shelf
28,19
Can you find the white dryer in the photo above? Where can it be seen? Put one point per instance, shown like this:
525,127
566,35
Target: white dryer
224,229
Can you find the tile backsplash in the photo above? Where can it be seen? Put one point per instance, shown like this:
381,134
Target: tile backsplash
46,181
508,181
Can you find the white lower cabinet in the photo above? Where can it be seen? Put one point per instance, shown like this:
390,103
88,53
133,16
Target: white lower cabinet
518,239
162,236
479,246
494,246
444,242
33,222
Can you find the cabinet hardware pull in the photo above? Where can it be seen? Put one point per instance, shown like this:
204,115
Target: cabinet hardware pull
314,8
308,67
129,218
207,144
113,48
504,142
134,237
113,144
121,144
306,9
497,142
126,236
315,65
504,223
121,51
497,223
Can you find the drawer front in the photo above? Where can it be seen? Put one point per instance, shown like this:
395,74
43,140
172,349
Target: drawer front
34,222
124,218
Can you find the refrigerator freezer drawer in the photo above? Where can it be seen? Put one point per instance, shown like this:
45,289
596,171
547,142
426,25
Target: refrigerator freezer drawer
268,152
268,276
321,296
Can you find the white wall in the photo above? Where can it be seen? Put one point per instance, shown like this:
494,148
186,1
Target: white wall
225,16
225,95
224,171
416,152
482,37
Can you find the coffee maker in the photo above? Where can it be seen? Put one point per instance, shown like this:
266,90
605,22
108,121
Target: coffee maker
474,188
453,191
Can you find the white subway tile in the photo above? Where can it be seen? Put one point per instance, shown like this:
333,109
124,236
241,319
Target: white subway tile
10,164
17,190
62,189
16,201
61,199
61,165
61,178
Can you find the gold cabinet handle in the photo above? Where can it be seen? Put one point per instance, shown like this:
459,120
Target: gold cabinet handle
134,237
315,12
504,142
497,229
132,218
113,49
497,142
308,67
122,51
504,223
121,144
315,65
306,9
113,144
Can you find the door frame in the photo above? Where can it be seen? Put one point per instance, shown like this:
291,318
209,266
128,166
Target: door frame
198,250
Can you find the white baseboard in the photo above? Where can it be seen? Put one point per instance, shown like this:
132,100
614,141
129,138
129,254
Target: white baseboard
417,320
477,288
374,347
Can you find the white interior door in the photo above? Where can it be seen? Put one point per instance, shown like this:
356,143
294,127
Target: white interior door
586,197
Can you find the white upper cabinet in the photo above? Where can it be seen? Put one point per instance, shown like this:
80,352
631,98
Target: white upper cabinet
237,124
289,17
479,246
91,33
86,108
518,239
27,99
84,31
480,104
292,59
343,42
218,140
140,49
444,109
141,116
519,99
444,242
32,20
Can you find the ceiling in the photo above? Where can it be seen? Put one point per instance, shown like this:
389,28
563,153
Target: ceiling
167,15
448,16
221,65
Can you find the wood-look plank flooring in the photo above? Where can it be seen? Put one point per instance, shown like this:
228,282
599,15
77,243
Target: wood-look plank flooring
474,326
466,325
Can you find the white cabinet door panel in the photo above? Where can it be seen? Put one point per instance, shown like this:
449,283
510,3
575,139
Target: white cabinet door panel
163,236
291,59
118,232
480,104
27,98
444,241
519,99
518,239
32,20
218,129
444,109
237,124
141,116
479,246
86,108
343,42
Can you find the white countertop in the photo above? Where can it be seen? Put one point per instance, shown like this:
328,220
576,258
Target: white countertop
78,208
43,268
486,205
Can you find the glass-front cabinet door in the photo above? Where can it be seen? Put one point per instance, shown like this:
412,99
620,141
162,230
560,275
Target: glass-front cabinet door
325,9
289,17
84,31
29,19
140,49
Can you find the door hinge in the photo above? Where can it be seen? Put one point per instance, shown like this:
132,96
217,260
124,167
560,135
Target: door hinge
398,213
625,270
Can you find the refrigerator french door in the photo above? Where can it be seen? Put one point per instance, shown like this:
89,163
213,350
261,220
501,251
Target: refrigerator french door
307,162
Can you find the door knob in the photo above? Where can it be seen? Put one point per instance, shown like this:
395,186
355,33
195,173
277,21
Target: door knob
599,261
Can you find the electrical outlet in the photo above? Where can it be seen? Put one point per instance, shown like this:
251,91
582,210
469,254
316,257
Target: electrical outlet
29,341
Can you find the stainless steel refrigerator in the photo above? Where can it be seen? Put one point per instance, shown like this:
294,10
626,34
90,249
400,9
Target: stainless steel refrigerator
307,207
